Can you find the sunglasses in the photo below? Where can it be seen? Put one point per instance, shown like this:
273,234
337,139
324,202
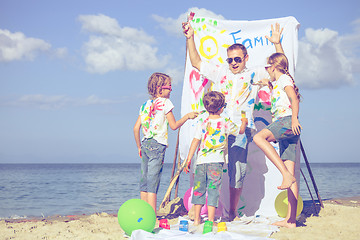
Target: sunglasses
167,87
223,106
236,59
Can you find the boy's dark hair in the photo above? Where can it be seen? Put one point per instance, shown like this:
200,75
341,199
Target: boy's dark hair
213,101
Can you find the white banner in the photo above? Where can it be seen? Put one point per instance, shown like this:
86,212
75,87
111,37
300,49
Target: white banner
212,37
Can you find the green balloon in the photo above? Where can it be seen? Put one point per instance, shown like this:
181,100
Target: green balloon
136,214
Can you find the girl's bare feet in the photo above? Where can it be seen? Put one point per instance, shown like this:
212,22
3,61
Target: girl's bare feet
288,180
285,223
197,222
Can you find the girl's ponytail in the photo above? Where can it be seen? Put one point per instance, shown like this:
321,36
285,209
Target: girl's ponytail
296,89
280,61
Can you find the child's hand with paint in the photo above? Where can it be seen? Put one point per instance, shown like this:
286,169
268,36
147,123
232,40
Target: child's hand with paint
244,122
188,165
192,115
264,82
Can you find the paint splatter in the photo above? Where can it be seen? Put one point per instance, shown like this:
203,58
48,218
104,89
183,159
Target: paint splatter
212,186
197,186
197,194
252,78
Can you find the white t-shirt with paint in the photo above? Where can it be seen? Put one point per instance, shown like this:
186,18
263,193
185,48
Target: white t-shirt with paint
154,123
213,136
240,94
280,102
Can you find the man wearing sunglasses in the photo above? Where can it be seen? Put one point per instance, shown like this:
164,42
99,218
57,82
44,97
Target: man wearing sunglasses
235,81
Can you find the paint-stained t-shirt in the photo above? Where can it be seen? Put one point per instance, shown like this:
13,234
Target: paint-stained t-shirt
240,93
280,102
154,123
212,134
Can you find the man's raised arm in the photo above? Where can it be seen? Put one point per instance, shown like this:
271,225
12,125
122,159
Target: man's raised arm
190,43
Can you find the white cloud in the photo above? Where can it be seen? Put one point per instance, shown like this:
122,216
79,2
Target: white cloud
45,102
60,52
95,100
111,47
173,26
176,74
42,101
16,46
327,59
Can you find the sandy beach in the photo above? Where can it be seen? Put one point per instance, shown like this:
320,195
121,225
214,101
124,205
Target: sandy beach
339,219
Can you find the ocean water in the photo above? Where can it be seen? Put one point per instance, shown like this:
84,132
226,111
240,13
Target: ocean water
41,190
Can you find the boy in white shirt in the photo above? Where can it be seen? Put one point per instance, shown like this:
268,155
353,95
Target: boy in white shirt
211,135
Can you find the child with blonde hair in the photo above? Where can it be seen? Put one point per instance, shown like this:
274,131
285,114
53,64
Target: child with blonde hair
285,129
155,116
211,135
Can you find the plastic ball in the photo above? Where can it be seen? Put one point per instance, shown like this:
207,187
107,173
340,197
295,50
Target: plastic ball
187,201
136,214
281,204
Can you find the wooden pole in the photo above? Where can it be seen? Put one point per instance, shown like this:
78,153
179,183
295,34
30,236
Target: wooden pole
172,182
174,162
176,152
177,181
311,175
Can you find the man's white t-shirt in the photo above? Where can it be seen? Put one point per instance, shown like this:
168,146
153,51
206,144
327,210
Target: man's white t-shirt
240,93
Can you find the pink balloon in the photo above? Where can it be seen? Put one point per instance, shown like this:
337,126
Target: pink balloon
187,201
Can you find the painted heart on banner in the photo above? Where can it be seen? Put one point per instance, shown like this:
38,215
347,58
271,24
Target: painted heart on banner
196,84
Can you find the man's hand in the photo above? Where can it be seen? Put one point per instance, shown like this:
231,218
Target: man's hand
187,30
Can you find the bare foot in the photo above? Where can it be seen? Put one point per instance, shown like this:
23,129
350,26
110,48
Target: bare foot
191,213
285,223
197,222
288,180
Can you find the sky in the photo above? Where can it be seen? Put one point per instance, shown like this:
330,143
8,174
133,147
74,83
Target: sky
73,74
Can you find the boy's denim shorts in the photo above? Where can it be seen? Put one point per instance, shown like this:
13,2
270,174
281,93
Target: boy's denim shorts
207,177
153,154
282,131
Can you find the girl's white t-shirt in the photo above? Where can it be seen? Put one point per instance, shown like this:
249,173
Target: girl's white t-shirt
280,102
154,123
